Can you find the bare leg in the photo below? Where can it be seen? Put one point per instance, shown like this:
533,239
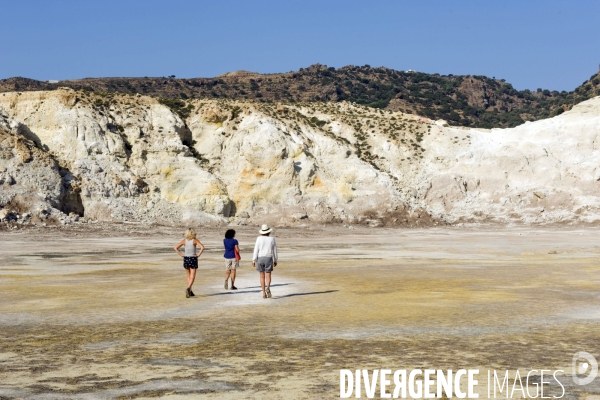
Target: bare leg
262,282
268,279
227,273
192,277
232,277
187,276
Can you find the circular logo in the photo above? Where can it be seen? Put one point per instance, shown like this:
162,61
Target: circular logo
583,367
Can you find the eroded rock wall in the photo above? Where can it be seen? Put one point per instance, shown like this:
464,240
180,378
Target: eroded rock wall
130,158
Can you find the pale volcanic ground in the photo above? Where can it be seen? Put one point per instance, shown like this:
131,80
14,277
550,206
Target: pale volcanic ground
101,313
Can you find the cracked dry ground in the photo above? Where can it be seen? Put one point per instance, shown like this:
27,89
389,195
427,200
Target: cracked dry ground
102,314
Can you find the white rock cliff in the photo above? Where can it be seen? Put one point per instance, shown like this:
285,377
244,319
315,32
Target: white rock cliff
130,158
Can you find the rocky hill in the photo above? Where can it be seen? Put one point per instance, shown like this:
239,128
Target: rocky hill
68,154
473,101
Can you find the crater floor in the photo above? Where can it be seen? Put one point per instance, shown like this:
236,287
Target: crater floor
102,313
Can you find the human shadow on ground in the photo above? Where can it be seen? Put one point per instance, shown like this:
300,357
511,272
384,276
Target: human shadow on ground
242,291
275,285
233,292
303,294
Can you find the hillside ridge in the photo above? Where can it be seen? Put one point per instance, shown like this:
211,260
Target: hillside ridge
462,100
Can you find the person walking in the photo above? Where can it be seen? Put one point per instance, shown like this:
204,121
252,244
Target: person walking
265,258
232,258
190,258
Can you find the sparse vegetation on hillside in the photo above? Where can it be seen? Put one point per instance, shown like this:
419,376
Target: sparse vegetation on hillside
358,129
475,101
179,107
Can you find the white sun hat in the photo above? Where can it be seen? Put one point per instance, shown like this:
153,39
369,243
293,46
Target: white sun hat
264,229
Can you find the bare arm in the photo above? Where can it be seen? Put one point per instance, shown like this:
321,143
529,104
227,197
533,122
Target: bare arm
255,255
197,243
178,246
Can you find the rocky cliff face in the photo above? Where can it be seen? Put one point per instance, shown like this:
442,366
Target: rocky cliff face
544,171
68,154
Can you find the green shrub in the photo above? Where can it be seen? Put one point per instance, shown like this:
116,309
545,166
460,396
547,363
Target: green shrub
235,112
316,121
179,107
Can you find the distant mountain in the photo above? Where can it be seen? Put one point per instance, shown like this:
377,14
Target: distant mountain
475,101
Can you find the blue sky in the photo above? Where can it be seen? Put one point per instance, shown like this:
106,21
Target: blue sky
550,44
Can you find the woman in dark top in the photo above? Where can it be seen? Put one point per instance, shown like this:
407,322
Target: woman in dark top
231,261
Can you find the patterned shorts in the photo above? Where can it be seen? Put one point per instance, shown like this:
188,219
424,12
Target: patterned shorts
231,263
190,262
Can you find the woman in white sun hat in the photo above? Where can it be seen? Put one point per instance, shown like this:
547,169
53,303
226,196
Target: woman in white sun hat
265,258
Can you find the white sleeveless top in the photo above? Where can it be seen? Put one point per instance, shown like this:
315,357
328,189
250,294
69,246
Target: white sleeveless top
190,248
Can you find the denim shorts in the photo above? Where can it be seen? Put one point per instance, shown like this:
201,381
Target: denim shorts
264,264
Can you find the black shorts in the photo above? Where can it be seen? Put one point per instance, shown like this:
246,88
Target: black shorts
190,262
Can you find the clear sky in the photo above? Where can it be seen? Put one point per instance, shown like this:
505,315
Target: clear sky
531,43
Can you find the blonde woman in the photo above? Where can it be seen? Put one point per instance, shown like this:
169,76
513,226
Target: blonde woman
190,258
